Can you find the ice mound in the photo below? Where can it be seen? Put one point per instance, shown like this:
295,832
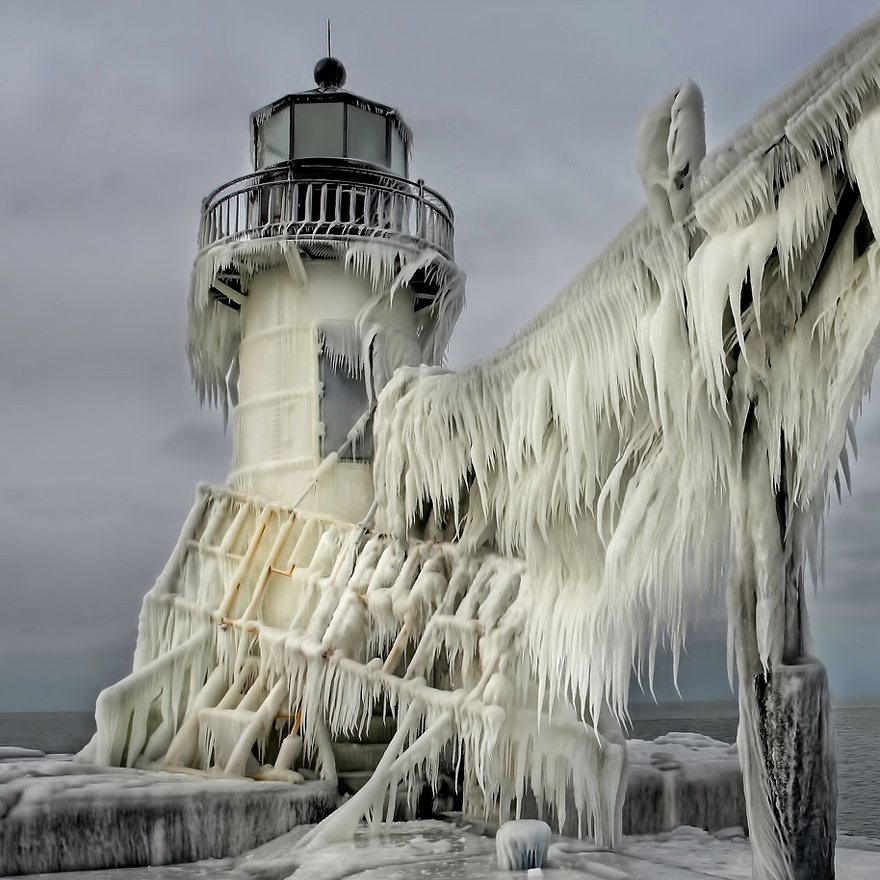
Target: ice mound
522,844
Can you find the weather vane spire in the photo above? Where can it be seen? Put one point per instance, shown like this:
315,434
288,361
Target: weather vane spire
329,53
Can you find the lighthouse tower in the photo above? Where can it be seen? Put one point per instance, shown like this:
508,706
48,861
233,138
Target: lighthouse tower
318,275
289,635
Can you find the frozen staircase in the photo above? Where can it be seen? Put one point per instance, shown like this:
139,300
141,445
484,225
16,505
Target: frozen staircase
358,755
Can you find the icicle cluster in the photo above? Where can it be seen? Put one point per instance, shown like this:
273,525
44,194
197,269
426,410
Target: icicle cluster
603,445
269,624
213,329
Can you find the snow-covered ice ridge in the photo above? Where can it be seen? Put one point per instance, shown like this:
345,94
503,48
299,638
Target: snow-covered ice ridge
61,815
57,814
276,629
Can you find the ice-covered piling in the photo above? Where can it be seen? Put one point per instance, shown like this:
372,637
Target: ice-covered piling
798,746
522,844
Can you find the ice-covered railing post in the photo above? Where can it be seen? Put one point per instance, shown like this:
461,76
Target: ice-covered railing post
785,728
782,317
785,738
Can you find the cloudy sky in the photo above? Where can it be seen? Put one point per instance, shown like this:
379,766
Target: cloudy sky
119,116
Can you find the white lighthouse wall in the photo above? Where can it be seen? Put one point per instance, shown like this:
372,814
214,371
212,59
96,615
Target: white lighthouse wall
278,427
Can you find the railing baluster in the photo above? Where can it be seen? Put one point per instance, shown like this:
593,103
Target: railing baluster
280,204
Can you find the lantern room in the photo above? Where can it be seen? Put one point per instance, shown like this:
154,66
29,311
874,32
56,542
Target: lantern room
329,122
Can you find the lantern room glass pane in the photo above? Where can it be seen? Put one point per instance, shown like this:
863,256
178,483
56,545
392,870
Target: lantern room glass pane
366,136
317,130
275,139
398,153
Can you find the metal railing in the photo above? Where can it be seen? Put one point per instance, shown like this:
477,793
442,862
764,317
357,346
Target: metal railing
307,199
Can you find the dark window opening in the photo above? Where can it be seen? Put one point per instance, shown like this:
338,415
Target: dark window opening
343,402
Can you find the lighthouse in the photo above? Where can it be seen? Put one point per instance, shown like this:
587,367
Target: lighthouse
317,275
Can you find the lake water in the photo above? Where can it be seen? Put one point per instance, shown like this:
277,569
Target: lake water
857,727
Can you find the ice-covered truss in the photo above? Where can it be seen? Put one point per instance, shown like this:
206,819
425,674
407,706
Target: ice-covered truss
673,421
271,633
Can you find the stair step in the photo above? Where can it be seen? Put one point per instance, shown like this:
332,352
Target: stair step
377,730
353,781
356,757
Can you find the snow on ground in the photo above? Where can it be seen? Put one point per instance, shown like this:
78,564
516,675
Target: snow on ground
10,752
427,850
56,814
435,850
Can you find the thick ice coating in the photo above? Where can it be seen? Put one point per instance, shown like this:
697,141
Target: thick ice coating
521,845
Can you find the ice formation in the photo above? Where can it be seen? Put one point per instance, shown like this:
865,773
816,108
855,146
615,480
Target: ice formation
213,330
671,423
521,845
270,623
674,419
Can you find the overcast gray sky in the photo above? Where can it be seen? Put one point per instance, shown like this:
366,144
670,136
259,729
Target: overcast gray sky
119,116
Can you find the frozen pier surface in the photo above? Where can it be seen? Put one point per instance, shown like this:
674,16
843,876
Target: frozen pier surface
442,851
58,815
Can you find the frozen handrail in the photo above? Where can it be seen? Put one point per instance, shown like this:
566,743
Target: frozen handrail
320,200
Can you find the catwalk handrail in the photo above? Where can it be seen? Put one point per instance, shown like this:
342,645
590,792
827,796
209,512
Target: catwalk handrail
327,200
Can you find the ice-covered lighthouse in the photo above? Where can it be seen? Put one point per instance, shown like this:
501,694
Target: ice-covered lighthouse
294,631
317,276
